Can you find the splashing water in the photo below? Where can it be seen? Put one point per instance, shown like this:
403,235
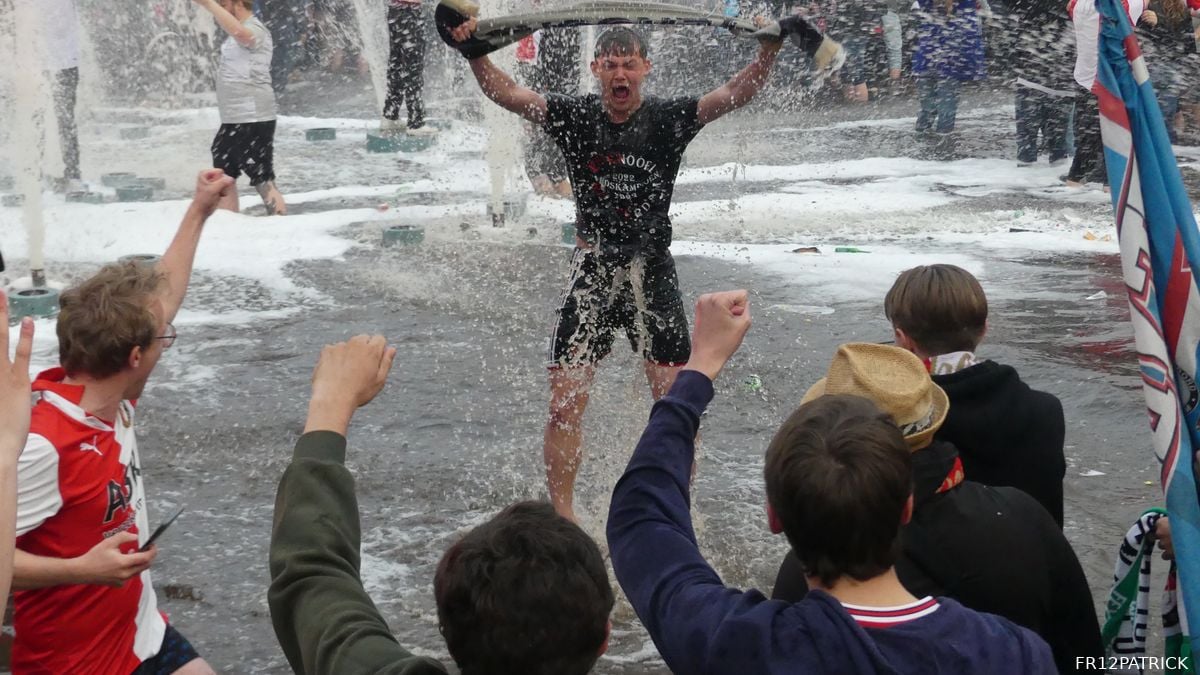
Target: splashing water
29,100
376,48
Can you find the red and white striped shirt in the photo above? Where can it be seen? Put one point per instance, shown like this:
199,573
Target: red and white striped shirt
886,617
79,481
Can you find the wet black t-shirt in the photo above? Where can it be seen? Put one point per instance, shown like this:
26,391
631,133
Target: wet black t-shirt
623,175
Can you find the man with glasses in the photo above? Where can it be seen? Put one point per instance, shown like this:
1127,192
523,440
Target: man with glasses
81,508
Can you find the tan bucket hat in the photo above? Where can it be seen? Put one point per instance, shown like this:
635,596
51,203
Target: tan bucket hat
895,379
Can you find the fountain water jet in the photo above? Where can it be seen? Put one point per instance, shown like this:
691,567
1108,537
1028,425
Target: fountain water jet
29,96
371,16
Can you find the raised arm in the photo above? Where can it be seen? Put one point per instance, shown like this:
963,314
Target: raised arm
676,594
499,85
742,87
323,617
176,263
229,24
506,93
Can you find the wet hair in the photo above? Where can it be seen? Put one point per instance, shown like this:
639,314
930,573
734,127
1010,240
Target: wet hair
102,319
524,593
621,41
942,308
838,476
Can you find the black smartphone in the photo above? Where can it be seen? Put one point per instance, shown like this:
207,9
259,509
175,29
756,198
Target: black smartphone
159,530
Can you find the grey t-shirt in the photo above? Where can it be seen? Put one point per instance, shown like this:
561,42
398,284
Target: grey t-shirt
244,91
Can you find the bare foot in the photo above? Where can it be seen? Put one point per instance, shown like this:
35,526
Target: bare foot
275,204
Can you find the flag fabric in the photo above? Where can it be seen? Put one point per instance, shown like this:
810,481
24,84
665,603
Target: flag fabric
1127,614
1160,248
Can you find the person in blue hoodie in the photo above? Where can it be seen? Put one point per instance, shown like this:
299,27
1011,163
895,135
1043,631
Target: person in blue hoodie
839,485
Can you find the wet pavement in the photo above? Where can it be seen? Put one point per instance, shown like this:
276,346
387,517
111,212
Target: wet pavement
456,435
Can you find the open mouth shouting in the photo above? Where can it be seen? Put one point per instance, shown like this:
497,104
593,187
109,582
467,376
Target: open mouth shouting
621,92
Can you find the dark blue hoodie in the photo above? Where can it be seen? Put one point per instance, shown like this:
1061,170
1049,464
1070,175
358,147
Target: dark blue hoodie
700,626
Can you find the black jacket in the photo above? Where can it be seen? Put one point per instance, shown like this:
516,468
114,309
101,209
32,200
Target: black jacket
1006,433
994,550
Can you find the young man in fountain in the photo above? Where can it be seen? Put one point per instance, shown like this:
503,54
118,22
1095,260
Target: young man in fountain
84,603
623,153
839,483
245,143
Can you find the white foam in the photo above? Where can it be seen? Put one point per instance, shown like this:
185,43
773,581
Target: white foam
232,244
829,276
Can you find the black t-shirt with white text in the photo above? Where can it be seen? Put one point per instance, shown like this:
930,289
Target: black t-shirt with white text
623,175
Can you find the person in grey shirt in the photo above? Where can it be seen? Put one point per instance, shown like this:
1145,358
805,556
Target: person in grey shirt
245,143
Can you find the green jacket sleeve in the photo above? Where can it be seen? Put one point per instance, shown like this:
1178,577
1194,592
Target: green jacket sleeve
323,617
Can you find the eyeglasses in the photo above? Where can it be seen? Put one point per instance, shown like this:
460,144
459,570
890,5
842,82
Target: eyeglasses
169,338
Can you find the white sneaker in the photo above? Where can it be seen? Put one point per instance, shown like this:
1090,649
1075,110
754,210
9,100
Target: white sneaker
425,130
386,124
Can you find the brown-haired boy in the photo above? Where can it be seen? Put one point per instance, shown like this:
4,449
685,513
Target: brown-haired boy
1007,434
82,565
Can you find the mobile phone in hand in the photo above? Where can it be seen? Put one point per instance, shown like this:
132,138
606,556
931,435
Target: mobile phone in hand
159,530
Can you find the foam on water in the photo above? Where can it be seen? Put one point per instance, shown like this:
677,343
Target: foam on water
830,276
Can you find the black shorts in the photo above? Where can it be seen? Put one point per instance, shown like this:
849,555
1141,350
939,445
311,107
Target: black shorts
175,653
246,148
612,290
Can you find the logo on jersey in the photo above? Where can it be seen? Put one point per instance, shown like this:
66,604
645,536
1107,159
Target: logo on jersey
120,494
91,447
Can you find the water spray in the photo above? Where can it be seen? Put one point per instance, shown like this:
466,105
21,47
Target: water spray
29,94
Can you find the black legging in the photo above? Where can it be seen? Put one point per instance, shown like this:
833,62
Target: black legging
1088,164
66,82
406,64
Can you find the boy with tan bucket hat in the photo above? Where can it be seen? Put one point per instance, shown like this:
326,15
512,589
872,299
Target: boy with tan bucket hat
995,550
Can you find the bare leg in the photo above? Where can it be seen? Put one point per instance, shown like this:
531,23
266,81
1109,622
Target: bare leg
272,198
230,201
562,451
661,378
196,667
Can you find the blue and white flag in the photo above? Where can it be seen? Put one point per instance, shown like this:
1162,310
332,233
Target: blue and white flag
1160,248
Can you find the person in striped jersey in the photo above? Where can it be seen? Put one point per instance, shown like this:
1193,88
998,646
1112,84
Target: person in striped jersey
84,603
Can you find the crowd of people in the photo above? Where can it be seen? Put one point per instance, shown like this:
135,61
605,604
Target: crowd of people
919,485
1044,50
942,469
